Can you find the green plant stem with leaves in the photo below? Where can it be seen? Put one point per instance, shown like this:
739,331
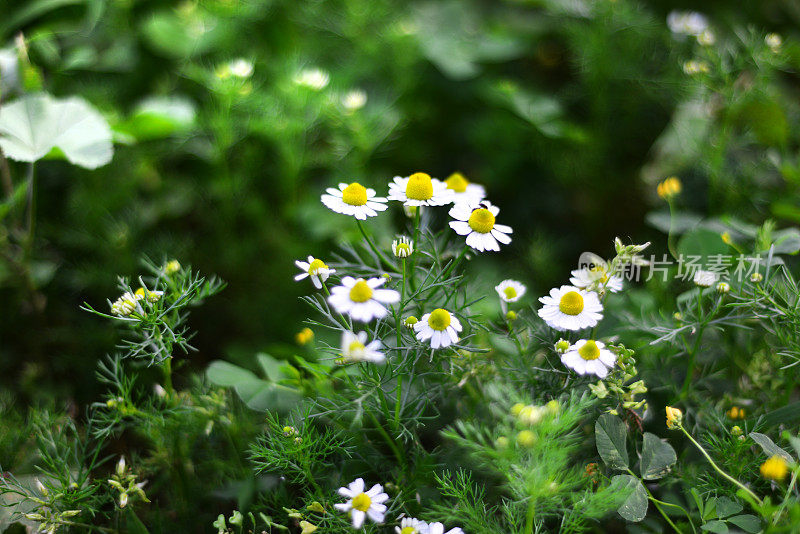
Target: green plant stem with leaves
719,470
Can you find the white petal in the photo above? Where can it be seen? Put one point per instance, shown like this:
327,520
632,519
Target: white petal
358,518
460,227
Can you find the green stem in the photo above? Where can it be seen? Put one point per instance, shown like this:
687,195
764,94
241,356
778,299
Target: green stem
417,218
779,512
671,234
529,516
720,471
454,263
657,502
167,368
31,221
374,248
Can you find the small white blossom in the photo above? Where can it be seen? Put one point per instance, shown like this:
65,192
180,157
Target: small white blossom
440,326
361,299
361,504
355,200
356,349
354,100
403,247
571,308
316,79
589,357
314,268
687,23
705,278
478,222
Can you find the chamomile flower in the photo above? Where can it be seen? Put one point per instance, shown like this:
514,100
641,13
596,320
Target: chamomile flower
410,525
150,295
478,223
705,278
510,290
403,247
595,278
419,189
570,308
126,304
440,326
354,100
361,299
354,199
687,23
462,190
361,504
356,349
589,357
438,528
314,268
316,79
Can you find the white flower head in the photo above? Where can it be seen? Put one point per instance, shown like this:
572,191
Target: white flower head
125,305
478,223
361,299
707,38
438,528
595,278
687,23
356,349
361,504
355,200
705,278
316,79
403,247
354,100
589,357
241,68
440,326
410,525
462,190
571,308
774,41
419,189
510,290
316,269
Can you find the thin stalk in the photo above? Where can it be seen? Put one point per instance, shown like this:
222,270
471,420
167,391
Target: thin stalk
720,471
167,368
31,221
374,248
529,516
417,218
779,512
455,263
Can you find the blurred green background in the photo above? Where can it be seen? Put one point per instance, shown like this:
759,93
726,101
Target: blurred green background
568,111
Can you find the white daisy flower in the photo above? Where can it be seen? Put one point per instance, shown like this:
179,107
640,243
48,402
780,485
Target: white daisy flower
316,269
354,100
241,68
595,278
570,308
510,290
361,299
477,222
356,349
363,504
410,525
687,23
462,190
705,278
354,199
419,189
440,326
403,247
316,79
589,357
438,528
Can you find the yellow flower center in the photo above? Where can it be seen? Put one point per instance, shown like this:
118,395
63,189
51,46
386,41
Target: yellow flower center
571,303
457,182
360,292
404,248
355,194
481,220
439,319
355,346
315,266
409,530
362,502
589,350
510,292
419,186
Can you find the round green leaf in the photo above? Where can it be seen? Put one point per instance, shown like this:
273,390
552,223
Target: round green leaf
657,457
610,433
635,506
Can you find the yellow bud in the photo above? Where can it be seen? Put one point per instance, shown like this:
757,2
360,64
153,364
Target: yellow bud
674,417
526,438
669,188
304,336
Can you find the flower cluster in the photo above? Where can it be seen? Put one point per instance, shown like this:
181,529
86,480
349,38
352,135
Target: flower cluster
579,307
